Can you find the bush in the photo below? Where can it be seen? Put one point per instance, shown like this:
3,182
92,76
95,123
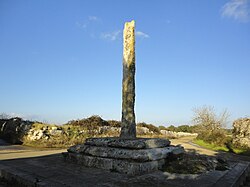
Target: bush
89,123
182,128
162,128
172,128
114,123
217,137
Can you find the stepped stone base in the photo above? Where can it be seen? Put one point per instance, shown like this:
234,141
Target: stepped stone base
118,165
131,156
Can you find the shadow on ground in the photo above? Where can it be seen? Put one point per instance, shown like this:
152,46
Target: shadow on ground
52,170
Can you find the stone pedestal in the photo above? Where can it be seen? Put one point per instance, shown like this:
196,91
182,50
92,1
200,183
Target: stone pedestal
129,156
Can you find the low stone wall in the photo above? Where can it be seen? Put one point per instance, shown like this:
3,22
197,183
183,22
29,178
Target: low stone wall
17,131
177,134
241,132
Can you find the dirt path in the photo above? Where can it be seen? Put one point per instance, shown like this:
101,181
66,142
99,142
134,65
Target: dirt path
8,151
186,142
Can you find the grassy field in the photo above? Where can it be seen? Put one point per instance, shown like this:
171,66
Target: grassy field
221,148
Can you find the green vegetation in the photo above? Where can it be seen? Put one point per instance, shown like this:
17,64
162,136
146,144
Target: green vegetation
226,148
211,133
209,126
210,146
71,133
181,128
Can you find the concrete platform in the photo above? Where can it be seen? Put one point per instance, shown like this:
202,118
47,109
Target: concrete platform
53,171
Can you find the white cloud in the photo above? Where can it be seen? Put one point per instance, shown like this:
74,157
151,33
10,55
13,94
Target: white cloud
237,9
93,18
112,35
141,34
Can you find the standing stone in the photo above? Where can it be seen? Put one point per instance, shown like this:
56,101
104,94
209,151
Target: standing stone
126,154
128,130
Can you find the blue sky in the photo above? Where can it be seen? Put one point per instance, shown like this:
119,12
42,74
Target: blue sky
62,60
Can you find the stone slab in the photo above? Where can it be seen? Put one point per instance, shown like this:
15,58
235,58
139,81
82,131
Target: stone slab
139,155
138,143
235,177
122,166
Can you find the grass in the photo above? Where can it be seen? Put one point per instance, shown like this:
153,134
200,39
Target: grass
214,147
210,146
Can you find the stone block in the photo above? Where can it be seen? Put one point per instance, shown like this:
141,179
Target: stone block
139,155
122,166
138,143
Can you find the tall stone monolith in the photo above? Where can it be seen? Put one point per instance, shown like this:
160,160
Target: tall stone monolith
125,154
128,130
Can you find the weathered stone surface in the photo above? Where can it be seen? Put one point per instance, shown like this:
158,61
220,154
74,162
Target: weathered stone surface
128,129
13,129
138,143
241,132
140,155
121,166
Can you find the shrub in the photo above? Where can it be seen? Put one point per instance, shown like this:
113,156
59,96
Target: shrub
114,123
89,123
162,128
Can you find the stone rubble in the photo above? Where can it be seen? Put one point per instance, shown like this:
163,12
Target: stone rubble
241,132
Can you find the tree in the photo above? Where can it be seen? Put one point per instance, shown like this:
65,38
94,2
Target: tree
210,125
172,128
205,117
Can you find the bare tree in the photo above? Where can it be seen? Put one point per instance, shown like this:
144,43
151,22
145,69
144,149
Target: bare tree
206,117
210,125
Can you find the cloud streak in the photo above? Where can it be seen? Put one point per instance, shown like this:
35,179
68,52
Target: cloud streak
93,18
237,9
81,25
112,36
141,34
87,22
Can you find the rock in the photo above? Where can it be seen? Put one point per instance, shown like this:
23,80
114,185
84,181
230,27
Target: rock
34,134
55,132
13,130
54,128
121,166
241,132
138,143
140,155
142,130
177,134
